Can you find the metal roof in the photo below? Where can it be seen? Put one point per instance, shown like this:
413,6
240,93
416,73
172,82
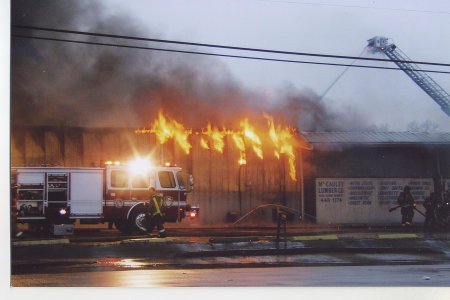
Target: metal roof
442,138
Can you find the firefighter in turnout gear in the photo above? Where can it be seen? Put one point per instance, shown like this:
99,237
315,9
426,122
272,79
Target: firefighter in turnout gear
430,204
407,203
155,215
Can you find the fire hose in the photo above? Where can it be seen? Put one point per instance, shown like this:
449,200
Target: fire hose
401,206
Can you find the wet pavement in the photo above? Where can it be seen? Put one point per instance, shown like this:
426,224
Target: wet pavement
225,247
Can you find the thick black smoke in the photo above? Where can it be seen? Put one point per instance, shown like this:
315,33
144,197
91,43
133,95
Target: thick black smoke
64,84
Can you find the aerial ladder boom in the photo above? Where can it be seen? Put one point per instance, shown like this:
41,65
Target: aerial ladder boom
425,82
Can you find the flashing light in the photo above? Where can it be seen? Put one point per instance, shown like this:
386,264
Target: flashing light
193,214
242,162
62,212
167,164
110,163
139,166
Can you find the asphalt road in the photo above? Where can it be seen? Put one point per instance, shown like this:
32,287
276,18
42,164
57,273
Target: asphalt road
346,276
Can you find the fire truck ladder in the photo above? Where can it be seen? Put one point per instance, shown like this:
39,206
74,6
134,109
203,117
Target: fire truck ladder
425,82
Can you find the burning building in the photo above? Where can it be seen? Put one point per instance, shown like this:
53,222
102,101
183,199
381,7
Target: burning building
235,169
328,177
75,105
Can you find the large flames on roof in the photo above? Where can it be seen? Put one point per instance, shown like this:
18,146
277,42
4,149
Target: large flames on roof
165,129
281,139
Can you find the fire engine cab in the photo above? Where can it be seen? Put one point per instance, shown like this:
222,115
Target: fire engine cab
116,193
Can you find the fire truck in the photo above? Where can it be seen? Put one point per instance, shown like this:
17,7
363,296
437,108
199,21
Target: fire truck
54,198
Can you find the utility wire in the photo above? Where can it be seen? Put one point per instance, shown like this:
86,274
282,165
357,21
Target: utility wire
221,46
361,7
221,55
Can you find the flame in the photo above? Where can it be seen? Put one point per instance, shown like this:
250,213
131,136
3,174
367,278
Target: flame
166,129
250,134
242,161
204,144
216,136
239,142
282,139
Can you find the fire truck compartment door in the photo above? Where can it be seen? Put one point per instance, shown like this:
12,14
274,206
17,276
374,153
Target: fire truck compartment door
86,193
31,178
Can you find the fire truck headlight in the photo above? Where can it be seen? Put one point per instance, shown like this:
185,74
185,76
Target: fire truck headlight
62,211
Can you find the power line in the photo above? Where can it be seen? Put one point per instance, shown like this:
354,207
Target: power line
220,55
220,46
357,6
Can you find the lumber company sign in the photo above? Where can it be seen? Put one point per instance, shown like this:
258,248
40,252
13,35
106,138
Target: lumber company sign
366,200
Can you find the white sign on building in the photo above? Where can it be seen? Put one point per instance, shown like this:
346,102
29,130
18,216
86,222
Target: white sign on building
367,200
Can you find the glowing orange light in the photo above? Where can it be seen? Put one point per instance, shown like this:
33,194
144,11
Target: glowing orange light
212,138
216,137
204,144
250,134
282,139
239,142
166,129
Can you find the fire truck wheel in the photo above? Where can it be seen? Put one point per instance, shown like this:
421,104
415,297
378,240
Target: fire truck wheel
42,227
123,226
138,220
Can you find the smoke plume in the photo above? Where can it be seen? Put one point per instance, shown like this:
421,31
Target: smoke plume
66,84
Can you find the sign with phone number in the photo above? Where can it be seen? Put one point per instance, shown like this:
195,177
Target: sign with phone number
365,200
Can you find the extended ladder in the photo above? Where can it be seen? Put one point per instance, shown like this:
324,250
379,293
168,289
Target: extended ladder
425,82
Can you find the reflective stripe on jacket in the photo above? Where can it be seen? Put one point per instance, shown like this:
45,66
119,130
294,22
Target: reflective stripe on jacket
157,207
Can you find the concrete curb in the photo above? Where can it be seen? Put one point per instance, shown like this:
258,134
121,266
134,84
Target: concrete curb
232,239
41,242
308,250
148,240
314,237
398,236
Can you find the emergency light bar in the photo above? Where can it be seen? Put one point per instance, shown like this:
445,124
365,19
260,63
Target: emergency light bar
140,166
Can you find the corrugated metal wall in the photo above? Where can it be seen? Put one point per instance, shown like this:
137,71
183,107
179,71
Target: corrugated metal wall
217,175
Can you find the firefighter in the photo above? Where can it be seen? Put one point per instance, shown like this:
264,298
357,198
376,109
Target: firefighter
155,216
430,207
407,203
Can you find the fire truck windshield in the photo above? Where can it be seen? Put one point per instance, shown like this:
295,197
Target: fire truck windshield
180,180
140,181
184,177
